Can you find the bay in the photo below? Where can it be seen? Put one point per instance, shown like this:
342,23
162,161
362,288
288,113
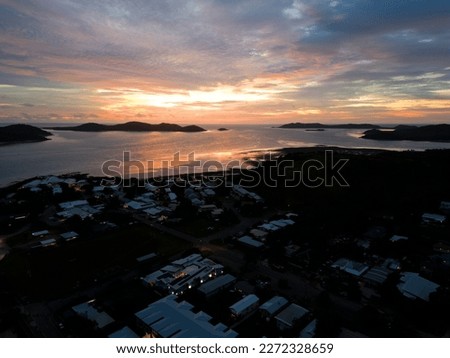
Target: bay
86,152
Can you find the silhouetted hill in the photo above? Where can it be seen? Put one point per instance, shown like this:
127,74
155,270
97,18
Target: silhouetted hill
323,126
431,133
131,127
17,133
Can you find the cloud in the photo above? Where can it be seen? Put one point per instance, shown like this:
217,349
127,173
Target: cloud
176,56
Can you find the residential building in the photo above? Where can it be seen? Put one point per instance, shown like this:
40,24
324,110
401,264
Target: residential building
244,306
167,318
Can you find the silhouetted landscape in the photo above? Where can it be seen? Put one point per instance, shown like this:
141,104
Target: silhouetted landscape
131,127
431,133
324,126
18,133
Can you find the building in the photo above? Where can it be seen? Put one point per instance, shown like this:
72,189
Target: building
412,285
288,317
184,274
309,331
244,306
88,311
167,318
68,236
433,218
376,276
273,306
40,233
80,208
397,238
217,285
445,206
147,257
248,241
351,267
48,242
125,332
269,227
238,192
258,234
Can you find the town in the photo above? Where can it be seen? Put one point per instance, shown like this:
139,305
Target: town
185,256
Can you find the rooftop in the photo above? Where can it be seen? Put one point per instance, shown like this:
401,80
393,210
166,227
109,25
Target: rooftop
243,304
250,242
124,332
170,319
351,267
412,285
214,285
88,311
273,305
290,314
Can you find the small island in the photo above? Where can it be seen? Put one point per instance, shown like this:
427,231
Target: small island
330,126
222,129
22,133
131,127
430,133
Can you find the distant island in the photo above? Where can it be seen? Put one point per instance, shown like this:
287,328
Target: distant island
131,127
330,126
430,133
223,129
22,133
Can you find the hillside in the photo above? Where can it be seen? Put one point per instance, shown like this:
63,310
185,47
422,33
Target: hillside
324,126
17,133
431,133
131,127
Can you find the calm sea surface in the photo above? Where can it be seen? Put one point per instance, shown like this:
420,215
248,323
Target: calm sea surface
86,152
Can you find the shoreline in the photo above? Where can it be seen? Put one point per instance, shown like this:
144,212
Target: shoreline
257,155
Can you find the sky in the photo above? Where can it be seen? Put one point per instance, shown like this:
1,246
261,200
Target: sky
217,61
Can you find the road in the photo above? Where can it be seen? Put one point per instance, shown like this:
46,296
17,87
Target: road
299,287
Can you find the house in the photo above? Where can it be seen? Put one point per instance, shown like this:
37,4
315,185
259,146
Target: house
239,193
351,267
376,276
80,208
40,233
155,212
288,317
57,190
445,206
309,331
273,306
258,234
172,197
412,285
397,238
48,242
166,318
207,208
244,306
269,227
88,311
433,218
147,257
68,236
72,204
248,241
217,285
125,332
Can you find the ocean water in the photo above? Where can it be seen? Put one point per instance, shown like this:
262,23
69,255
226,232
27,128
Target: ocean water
87,152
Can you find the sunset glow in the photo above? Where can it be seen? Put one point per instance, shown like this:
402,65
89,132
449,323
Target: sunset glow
216,61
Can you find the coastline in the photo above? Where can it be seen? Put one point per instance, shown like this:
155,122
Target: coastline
253,156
